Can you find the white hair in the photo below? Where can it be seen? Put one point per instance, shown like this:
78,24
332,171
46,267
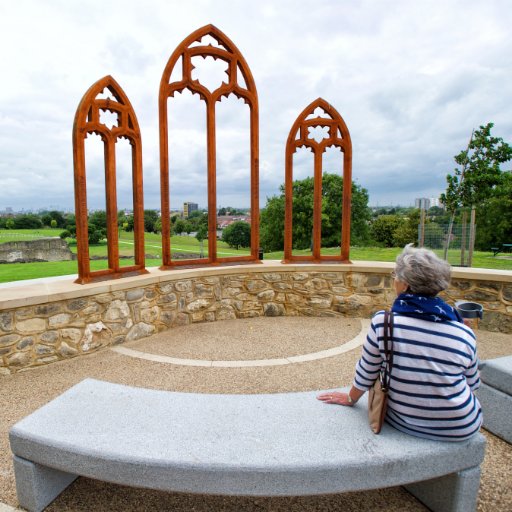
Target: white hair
423,271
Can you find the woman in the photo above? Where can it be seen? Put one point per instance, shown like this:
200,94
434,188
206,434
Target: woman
435,365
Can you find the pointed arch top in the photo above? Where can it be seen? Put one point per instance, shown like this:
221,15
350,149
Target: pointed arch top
337,131
226,50
88,113
322,114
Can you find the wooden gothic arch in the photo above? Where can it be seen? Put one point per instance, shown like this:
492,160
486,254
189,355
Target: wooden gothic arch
300,136
228,52
88,121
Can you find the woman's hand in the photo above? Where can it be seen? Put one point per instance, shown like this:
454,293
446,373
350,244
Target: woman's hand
335,397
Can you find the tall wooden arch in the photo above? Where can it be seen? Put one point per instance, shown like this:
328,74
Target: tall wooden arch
87,121
337,136
228,52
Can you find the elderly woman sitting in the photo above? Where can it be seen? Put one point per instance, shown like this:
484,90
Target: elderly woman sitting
435,366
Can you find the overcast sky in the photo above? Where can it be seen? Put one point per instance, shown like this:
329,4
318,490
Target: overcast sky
410,78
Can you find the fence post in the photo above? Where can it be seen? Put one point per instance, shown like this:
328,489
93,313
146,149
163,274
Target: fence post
463,238
472,232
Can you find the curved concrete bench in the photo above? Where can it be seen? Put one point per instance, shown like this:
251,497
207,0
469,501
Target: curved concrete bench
261,445
495,395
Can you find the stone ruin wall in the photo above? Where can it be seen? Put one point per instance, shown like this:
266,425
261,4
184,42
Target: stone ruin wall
44,249
41,334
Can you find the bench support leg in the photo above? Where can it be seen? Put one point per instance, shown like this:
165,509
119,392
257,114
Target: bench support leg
457,492
37,486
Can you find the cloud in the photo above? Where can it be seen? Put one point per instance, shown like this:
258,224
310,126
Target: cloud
411,80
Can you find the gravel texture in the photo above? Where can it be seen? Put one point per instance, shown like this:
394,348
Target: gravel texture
257,338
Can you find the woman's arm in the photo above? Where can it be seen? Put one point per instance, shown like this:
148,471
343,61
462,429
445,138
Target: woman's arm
370,362
367,370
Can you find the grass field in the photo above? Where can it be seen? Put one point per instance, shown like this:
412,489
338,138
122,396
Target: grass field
189,245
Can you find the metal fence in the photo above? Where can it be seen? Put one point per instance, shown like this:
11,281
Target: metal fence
453,248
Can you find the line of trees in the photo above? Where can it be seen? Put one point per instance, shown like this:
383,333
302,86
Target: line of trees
478,188
52,219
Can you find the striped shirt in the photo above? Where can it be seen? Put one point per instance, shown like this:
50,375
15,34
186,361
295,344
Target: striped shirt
433,379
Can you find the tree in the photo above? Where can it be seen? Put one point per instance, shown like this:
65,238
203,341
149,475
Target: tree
53,223
95,234
54,215
495,216
272,217
99,219
272,224
28,221
150,218
383,229
407,232
201,234
189,227
128,224
46,219
179,226
237,234
478,174
71,224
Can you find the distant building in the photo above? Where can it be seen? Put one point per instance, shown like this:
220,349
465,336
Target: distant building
223,221
435,201
423,203
188,208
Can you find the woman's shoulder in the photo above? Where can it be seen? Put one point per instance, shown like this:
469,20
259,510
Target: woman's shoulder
378,316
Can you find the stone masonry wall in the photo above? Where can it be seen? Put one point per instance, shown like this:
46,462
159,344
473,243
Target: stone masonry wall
44,249
41,334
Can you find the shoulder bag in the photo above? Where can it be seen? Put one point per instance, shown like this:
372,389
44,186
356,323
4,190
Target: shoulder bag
378,394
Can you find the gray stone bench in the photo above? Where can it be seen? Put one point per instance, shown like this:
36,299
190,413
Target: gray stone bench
495,395
258,445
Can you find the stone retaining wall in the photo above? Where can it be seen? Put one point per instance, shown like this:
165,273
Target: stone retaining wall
57,326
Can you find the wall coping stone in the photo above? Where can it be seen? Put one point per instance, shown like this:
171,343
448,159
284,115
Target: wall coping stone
41,291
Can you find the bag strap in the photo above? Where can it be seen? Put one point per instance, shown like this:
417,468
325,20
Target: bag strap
388,350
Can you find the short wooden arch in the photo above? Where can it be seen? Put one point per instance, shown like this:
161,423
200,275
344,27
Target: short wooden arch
228,52
338,136
87,120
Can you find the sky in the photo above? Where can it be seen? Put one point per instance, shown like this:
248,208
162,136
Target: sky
411,80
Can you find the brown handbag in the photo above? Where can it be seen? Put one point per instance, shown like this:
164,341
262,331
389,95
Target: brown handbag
378,393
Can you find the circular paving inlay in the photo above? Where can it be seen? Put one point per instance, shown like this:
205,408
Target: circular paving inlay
312,356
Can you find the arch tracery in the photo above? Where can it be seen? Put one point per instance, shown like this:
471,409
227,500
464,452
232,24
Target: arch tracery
318,127
206,42
104,96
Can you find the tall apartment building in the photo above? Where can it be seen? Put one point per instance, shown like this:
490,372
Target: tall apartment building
188,208
422,203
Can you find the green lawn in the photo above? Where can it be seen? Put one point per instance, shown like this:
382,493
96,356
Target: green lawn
16,235
153,247
187,244
480,259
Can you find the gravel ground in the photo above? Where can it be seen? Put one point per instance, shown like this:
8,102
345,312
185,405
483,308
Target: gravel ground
231,340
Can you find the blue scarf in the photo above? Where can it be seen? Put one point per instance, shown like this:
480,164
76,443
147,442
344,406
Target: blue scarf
423,307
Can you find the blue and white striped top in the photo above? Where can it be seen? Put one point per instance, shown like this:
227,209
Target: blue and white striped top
434,375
